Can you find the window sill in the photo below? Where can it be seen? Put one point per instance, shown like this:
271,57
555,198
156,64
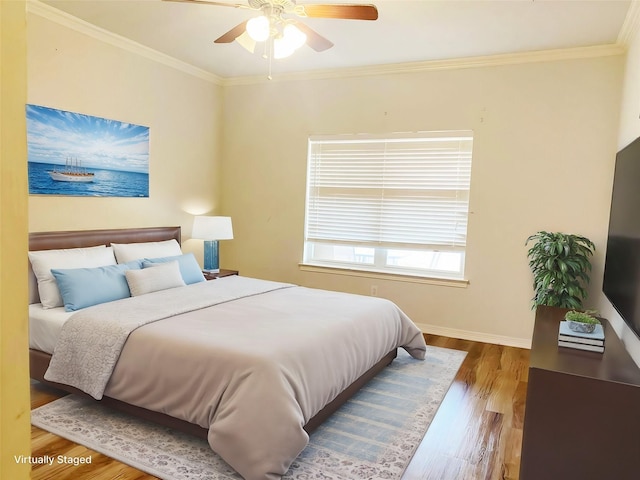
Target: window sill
384,276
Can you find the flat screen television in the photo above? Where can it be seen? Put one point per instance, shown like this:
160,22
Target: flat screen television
622,264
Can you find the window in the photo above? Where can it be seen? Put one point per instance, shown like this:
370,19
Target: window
397,204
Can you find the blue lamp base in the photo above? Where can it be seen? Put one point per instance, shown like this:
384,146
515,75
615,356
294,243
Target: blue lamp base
211,256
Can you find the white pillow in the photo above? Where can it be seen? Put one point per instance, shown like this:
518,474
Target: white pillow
126,252
158,277
42,261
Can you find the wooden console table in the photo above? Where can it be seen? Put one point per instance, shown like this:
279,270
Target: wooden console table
582,415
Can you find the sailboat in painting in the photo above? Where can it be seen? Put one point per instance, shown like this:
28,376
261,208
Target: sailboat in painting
73,172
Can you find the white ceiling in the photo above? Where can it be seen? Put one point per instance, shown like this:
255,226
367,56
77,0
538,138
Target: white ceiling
406,31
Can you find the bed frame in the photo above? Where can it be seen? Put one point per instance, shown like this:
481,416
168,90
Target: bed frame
39,361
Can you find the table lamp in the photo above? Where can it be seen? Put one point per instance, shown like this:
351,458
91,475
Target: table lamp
212,229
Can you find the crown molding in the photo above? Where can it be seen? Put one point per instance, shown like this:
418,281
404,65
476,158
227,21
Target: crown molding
631,24
432,65
62,18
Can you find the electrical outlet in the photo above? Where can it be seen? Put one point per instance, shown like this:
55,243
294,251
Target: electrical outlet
374,290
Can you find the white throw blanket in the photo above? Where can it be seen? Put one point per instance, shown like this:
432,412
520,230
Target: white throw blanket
95,344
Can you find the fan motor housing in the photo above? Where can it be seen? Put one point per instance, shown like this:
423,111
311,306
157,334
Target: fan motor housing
286,5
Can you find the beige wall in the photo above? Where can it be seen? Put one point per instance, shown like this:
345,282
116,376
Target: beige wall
545,134
70,70
241,151
14,364
629,131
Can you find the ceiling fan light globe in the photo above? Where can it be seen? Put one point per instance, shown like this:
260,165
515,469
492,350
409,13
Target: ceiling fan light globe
282,49
259,28
293,36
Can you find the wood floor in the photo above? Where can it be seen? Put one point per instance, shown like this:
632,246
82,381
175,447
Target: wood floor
476,434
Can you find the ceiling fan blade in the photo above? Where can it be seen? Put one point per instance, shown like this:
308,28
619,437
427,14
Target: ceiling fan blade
232,34
351,12
314,39
205,2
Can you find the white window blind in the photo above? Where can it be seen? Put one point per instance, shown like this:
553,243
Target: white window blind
400,193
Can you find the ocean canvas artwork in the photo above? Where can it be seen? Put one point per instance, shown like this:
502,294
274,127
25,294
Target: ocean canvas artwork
82,155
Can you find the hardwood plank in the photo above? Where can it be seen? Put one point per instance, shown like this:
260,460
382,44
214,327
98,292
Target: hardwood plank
512,445
500,399
477,432
475,435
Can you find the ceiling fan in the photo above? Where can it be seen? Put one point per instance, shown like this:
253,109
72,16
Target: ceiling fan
286,34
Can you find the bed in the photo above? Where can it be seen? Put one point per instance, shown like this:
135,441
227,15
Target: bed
253,366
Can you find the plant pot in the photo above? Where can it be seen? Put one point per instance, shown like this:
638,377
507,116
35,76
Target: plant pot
582,327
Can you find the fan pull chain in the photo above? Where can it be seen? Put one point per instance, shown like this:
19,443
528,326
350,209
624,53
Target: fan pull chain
267,54
270,58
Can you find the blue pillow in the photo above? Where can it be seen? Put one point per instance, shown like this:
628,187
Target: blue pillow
84,287
134,264
189,268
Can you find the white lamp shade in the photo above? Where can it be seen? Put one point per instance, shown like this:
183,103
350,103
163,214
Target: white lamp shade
212,228
259,28
281,49
294,36
292,39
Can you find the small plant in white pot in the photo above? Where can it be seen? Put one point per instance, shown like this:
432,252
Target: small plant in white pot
582,322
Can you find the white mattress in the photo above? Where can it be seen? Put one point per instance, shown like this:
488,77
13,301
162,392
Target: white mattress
45,326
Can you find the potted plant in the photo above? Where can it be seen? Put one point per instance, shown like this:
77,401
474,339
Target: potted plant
561,268
583,322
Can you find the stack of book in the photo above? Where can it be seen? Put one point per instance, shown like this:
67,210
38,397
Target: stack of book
593,342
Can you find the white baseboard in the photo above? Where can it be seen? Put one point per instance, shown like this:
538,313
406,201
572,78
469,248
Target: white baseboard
475,336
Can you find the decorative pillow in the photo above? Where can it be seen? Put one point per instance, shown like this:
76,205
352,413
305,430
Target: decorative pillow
159,277
84,287
42,261
126,252
189,268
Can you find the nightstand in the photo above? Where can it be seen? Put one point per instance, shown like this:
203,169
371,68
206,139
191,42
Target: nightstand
220,274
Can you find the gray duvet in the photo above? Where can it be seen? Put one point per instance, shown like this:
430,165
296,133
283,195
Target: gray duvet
251,361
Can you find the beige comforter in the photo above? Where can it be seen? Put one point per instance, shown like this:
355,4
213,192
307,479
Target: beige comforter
254,370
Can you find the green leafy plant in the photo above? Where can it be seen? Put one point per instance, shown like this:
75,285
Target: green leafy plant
581,317
561,268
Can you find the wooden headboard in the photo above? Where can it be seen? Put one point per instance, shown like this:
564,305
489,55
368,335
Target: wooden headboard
91,238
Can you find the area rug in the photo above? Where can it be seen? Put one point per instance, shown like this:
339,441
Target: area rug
373,435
